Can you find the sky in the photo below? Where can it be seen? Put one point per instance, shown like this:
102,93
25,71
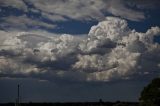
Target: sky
78,50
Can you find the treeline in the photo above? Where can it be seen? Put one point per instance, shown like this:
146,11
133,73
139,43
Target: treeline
76,104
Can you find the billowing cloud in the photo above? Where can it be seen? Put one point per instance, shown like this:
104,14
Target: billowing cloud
110,51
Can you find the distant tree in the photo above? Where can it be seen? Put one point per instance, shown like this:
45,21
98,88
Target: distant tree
150,96
121,104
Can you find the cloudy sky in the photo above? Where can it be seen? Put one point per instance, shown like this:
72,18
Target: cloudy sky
78,50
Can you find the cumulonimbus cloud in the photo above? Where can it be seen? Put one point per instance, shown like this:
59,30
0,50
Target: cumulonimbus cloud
110,51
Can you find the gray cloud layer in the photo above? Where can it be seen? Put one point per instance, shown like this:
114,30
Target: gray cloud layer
110,51
61,10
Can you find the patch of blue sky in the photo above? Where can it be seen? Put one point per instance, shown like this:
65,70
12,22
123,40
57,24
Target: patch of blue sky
151,20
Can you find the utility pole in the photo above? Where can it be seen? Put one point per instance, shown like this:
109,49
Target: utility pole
18,96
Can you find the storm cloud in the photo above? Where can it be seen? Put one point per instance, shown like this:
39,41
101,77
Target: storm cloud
111,51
